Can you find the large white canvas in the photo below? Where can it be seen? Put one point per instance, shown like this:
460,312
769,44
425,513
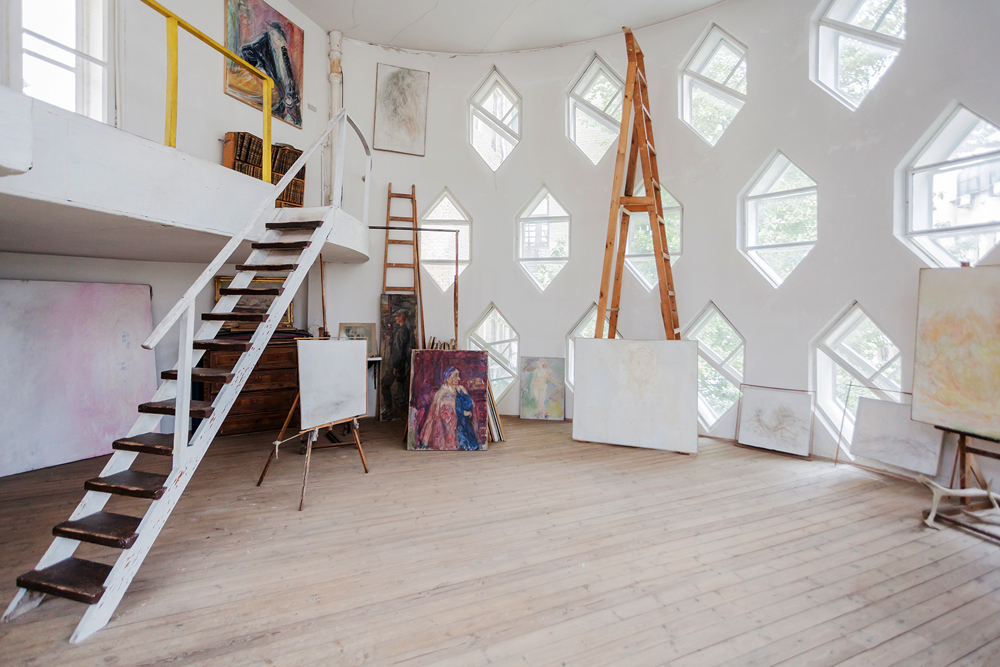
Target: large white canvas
776,419
72,369
333,381
956,372
885,433
639,393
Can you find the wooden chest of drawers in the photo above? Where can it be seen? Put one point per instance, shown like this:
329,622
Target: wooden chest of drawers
269,392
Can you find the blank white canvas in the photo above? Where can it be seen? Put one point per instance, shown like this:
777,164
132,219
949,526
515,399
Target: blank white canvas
72,369
333,381
885,433
776,419
639,393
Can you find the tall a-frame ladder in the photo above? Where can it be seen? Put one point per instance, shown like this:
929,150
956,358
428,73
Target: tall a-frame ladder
624,203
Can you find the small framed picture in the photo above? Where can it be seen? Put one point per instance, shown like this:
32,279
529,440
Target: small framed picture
359,331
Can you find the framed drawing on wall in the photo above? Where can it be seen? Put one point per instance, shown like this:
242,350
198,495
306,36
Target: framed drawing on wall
401,109
365,332
254,304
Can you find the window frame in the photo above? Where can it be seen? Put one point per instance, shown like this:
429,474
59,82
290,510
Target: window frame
942,257
475,342
836,414
14,51
423,221
721,365
575,100
477,111
749,221
574,333
825,56
640,191
691,78
523,217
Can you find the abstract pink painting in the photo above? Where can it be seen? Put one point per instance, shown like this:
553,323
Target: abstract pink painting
73,369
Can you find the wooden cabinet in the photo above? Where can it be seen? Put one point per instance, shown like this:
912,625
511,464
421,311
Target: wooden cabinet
269,392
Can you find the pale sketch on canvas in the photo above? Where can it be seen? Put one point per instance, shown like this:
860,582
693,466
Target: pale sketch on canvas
637,393
543,388
885,433
958,350
776,419
401,109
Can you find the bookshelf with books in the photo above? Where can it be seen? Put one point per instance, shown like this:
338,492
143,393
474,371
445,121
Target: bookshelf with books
244,152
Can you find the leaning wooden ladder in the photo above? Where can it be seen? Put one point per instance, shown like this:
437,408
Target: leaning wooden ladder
624,203
414,242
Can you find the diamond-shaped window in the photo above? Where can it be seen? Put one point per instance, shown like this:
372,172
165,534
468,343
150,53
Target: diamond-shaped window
714,85
780,216
721,349
494,334
595,110
437,249
543,238
639,256
495,127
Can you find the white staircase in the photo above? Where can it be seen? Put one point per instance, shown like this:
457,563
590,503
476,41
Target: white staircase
290,241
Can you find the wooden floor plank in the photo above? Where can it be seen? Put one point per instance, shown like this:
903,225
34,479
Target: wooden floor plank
540,551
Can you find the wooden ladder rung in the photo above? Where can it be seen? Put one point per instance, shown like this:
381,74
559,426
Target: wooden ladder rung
389,288
394,265
396,218
398,242
400,196
651,148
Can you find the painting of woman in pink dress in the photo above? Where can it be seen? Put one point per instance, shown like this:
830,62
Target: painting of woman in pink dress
447,401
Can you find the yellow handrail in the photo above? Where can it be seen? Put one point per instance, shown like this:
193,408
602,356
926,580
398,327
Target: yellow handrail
173,22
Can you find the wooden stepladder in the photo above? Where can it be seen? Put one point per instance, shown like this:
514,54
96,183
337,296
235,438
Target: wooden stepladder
404,236
639,147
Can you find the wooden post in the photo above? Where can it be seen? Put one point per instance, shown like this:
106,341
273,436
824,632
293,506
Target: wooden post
267,85
456,289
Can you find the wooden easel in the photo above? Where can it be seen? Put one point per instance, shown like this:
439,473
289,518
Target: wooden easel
414,264
966,464
313,435
623,204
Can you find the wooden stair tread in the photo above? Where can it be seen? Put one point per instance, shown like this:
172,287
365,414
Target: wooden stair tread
295,224
132,483
206,375
104,528
280,245
233,317
251,291
266,267
222,345
160,444
199,409
72,578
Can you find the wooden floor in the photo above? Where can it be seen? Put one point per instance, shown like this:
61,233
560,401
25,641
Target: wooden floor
540,551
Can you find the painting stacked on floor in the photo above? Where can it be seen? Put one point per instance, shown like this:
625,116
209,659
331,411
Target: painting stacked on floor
448,400
543,388
398,333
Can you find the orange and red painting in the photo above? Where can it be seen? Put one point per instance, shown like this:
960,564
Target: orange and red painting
956,373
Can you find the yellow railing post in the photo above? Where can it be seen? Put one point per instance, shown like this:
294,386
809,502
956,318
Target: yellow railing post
171,130
267,86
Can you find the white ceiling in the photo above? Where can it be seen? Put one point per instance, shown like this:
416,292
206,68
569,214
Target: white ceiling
489,26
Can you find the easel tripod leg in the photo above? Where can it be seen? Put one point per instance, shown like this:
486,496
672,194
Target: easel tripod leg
357,441
305,470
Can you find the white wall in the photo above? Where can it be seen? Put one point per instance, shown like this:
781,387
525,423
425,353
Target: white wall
949,51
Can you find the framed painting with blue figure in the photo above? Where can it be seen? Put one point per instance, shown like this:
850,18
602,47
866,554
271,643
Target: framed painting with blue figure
448,400
543,388
271,43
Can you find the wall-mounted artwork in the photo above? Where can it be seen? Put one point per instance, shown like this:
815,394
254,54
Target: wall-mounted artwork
254,303
543,388
356,331
401,109
333,381
271,43
640,393
397,332
780,420
73,369
957,365
448,400
885,433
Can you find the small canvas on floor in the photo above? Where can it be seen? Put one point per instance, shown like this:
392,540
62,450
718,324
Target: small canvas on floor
780,420
333,381
885,433
448,400
543,389
639,393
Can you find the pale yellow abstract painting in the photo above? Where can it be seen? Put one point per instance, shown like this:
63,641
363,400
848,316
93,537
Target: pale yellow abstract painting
956,373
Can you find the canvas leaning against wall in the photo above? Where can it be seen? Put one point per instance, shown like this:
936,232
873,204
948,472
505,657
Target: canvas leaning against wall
397,332
543,388
957,364
73,369
780,420
885,433
448,400
271,43
401,109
